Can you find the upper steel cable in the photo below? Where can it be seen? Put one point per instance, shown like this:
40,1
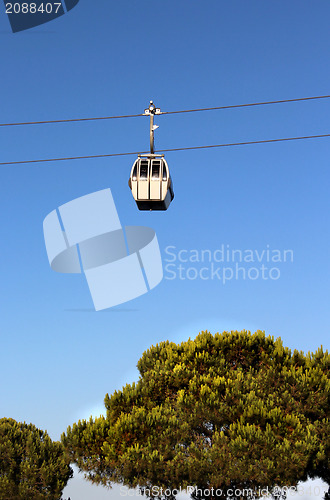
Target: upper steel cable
245,105
71,120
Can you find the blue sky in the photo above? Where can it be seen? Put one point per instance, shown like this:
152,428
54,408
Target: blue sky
59,357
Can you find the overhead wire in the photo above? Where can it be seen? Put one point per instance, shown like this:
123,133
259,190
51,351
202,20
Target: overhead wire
264,141
43,160
71,120
248,142
245,105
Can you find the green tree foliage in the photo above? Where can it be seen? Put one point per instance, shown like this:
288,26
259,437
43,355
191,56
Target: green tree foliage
229,411
32,466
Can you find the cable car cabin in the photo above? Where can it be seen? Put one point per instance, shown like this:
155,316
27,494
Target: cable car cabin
151,183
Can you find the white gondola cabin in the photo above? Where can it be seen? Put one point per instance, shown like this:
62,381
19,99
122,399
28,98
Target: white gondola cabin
151,183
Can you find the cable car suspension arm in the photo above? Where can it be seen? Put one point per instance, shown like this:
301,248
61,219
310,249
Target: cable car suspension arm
152,111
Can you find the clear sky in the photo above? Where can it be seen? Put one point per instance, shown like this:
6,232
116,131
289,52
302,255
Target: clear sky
58,356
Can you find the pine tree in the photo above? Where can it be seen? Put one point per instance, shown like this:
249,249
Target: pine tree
32,466
233,411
